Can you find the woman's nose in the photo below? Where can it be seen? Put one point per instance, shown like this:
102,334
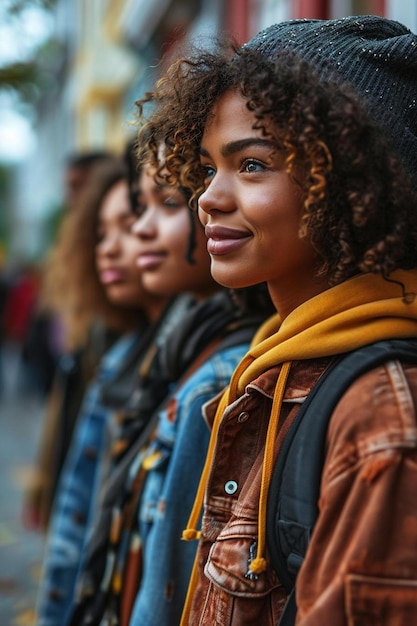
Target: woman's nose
145,226
218,196
135,227
110,245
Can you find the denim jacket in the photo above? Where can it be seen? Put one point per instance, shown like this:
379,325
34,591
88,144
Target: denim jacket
172,478
77,494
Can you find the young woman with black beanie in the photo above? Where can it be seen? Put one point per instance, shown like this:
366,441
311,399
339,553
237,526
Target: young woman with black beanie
300,151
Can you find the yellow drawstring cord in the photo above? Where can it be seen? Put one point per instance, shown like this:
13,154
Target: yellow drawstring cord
231,393
258,564
185,617
191,532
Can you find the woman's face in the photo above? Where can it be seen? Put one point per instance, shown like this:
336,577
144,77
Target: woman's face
117,250
251,209
163,230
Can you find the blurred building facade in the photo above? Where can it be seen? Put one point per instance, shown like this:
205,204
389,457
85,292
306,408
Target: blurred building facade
108,53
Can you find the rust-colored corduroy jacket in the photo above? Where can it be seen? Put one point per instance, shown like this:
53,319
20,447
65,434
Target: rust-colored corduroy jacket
361,566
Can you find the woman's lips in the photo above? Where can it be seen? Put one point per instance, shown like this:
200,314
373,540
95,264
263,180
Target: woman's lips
150,260
110,276
222,240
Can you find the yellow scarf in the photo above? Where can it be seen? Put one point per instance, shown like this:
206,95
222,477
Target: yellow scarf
358,312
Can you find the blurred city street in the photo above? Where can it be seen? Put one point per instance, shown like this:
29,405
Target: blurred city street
20,550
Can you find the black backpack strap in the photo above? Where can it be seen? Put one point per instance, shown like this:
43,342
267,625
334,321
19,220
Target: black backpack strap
295,486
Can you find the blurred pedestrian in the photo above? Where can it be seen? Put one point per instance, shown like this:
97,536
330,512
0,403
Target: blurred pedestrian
43,343
5,284
64,343
21,297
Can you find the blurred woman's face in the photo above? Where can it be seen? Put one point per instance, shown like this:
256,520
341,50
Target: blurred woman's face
163,231
117,250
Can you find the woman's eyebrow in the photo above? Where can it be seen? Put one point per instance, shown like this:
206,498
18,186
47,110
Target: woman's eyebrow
240,144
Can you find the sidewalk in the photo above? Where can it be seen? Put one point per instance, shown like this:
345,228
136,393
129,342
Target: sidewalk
20,550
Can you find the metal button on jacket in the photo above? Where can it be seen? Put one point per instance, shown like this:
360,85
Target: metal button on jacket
242,417
230,487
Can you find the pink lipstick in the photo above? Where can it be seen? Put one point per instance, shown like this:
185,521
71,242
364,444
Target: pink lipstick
223,240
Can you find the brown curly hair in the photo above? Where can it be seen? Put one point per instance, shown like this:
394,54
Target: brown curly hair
360,206
71,286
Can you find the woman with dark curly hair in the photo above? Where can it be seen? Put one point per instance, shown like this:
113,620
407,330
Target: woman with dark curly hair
299,150
97,286
89,315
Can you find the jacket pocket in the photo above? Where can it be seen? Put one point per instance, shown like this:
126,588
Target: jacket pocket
383,601
228,563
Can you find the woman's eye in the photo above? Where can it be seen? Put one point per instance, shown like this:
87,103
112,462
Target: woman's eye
252,166
208,172
172,203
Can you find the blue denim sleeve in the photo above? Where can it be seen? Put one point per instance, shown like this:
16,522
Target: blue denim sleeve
76,496
181,443
70,521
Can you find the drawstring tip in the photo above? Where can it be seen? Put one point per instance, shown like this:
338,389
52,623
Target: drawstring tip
189,534
258,565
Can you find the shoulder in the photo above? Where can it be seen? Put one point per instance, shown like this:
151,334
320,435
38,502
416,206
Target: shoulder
376,414
217,369
187,399
118,351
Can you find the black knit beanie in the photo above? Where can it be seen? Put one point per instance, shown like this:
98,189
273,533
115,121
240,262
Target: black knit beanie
377,56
